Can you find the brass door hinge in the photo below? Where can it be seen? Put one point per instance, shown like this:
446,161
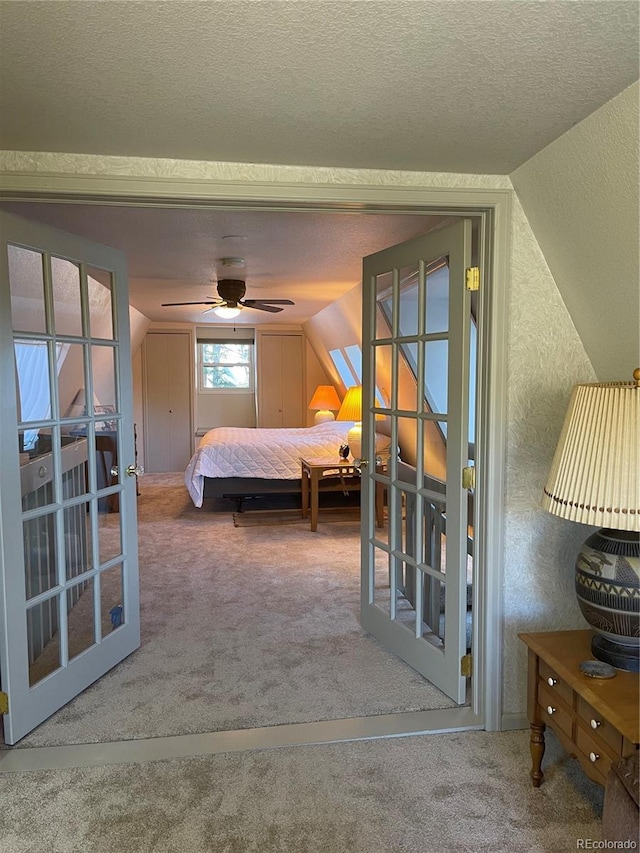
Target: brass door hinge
466,666
4,703
472,278
469,478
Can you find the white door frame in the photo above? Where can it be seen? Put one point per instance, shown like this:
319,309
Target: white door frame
279,195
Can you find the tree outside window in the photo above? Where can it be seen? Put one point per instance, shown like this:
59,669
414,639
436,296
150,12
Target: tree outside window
225,366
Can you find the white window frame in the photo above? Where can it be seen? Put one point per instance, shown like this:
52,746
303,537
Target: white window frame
249,389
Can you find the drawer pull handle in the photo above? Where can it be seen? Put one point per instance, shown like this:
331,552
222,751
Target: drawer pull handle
595,724
593,757
552,681
551,710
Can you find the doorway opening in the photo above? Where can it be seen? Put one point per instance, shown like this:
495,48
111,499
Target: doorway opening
487,239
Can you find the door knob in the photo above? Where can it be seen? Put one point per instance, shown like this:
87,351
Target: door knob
135,471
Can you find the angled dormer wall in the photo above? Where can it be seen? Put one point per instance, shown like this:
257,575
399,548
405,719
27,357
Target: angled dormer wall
580,195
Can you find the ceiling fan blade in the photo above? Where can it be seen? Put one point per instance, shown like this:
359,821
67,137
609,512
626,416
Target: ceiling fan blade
252,302
260,306
172,304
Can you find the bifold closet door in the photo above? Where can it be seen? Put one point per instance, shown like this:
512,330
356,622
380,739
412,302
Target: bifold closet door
167,393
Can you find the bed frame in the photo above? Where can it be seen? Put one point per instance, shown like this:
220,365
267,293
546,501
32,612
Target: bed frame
264,494
241,489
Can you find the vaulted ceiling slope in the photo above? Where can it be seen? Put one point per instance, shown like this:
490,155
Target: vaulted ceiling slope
581,197
477,86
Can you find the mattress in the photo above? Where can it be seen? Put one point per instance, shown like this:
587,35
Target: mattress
271,454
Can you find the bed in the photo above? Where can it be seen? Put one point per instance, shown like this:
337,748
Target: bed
236,463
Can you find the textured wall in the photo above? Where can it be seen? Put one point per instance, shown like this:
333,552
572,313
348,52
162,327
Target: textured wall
546,358
581,196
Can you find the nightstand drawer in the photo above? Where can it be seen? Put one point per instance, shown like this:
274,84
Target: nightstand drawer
595,754
555,683
553,711
601,730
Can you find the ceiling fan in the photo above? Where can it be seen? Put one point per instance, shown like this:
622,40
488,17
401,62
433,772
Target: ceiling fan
231,292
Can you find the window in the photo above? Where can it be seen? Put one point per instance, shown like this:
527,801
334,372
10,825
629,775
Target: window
225,366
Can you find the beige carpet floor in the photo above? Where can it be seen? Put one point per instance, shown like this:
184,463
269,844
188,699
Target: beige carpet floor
241,627
457,793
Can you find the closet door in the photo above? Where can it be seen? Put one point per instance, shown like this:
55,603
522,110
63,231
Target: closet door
281,381
168,429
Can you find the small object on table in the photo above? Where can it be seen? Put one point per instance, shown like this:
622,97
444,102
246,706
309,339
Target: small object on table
597,669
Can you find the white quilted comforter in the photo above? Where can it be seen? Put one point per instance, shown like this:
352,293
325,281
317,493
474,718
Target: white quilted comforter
271,454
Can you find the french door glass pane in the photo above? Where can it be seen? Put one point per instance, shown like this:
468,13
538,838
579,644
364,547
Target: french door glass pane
74,458
384,298
437,301
80,617
435,452
382,370
77,540
409,396
382,580
100,287
112,603
109,529
408,439
32,360
405,599
106,454
26,282
39,539
436,368
36,469
65,285
43,639
408,302
104,379
70,371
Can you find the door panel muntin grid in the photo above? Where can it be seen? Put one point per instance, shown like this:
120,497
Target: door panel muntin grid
377,282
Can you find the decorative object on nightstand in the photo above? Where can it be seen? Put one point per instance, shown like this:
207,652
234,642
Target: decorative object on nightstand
325,402
595,479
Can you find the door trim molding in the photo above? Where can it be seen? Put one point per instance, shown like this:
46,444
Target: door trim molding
351,196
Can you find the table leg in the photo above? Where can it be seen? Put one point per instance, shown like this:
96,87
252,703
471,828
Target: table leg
536,747
314,500
304,493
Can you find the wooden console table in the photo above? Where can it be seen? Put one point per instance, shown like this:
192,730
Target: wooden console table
595,720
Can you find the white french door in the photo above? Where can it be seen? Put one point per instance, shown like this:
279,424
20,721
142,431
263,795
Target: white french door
69,597
418,337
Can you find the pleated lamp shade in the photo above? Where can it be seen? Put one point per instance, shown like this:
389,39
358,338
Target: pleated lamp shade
351,408
595,474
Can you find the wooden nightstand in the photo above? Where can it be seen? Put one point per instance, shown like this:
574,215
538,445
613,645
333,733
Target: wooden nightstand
325,476
595,720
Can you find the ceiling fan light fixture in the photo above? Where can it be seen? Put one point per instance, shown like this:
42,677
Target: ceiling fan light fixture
227,312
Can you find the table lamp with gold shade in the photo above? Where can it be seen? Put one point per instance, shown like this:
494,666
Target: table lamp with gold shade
595,479
351,410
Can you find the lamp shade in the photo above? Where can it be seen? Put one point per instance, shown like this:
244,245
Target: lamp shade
351,408
595,474
325,397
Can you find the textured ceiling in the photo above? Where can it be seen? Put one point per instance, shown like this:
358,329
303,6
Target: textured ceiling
174,255
435,85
